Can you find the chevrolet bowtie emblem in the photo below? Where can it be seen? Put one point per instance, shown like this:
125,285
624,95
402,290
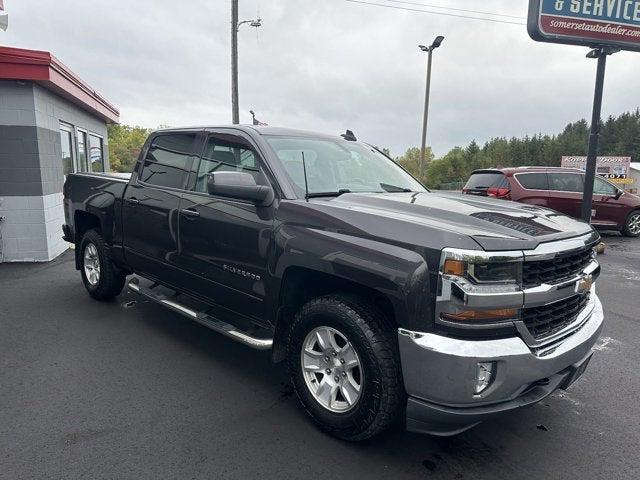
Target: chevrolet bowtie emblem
585,284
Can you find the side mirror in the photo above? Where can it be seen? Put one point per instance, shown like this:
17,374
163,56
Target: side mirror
239,185
618,194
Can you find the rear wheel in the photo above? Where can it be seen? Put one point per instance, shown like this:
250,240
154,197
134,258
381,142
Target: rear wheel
632,225
102,279
344,366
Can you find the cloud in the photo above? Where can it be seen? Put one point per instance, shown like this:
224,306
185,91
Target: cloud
324,65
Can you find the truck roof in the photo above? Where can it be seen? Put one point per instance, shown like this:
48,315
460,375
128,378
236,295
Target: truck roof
260,130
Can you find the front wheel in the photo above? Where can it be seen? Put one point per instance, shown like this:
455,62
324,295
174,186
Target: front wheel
344,366
102,279
632,225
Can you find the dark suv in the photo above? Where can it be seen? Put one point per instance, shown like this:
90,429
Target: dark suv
560,189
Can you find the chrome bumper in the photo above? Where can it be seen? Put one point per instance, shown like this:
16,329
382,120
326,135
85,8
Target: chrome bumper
439,373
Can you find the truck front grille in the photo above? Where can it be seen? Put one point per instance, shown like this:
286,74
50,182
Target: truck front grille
549,319
562,267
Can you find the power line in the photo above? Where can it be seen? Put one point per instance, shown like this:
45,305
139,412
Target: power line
457,9
493,20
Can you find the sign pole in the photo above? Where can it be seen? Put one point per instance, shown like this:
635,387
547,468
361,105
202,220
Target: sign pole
594,136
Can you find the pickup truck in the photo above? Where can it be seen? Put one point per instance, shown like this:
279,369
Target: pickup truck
388,302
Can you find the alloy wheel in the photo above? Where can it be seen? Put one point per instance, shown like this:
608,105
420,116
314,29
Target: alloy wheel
91,264
331,369
634,224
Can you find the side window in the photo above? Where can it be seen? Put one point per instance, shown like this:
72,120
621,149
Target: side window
600,187
66,142
533,181
167,160
226,153
82,151
566,182
96,159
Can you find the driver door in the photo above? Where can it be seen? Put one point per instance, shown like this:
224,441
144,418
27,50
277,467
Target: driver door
224,242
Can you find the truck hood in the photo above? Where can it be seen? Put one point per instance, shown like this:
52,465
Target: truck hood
493,224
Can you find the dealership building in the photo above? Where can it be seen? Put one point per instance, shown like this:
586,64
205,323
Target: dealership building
51,124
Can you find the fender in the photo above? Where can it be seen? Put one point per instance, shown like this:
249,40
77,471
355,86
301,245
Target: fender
103,202
400,274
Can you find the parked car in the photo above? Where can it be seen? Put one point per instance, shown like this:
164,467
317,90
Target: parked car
386,300
560,189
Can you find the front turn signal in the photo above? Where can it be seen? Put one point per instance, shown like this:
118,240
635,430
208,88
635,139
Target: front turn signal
454,267
477,316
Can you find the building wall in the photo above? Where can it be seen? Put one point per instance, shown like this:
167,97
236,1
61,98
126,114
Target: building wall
634,173
31,174
50,110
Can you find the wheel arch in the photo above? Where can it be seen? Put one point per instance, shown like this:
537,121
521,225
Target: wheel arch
300,285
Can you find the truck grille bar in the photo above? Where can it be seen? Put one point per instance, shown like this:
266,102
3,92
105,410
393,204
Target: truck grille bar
561,267
549,319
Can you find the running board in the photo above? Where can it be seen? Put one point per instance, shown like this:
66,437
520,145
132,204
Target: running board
200,317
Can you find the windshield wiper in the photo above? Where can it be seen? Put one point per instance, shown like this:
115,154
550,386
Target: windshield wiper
328,194
393,189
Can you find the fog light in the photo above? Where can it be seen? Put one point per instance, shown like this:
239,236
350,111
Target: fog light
484,376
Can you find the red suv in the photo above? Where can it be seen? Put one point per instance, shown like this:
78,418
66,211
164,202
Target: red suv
560,189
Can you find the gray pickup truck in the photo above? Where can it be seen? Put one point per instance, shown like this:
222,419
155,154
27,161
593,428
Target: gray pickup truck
387,301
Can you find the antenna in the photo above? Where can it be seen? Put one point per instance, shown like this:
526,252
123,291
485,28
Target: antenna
306,185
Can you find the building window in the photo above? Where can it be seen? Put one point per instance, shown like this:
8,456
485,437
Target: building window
83,166
66,142
95,153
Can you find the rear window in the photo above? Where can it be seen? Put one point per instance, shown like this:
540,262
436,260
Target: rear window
483,181
166,163
533,181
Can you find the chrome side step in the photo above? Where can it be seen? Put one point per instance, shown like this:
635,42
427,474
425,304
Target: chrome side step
200,317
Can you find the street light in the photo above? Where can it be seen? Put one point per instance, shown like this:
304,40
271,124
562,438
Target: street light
436,43
235,26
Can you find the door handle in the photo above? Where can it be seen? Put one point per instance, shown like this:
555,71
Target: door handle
189,212
133,201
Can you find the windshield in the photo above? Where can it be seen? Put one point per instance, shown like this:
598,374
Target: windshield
337,166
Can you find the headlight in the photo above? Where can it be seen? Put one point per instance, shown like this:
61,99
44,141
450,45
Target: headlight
482,269
479,275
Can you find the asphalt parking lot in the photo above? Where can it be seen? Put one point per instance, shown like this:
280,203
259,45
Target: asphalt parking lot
130,390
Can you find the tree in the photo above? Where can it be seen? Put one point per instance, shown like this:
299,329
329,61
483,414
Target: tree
125,143
410,161
620,137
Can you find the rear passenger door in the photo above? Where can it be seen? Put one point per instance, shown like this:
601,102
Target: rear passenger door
534,189
565,192
225,242
151,204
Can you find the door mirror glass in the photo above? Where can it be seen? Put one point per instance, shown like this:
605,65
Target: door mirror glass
240,186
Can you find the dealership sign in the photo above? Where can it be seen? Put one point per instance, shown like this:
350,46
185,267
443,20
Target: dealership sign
615,169
591,23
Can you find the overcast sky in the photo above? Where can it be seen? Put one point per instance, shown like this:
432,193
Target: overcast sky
324,65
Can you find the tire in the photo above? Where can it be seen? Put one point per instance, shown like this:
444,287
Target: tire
632,225
94,255
379,401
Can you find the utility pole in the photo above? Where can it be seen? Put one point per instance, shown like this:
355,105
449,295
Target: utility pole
436,43
235,101
594,137
235,26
